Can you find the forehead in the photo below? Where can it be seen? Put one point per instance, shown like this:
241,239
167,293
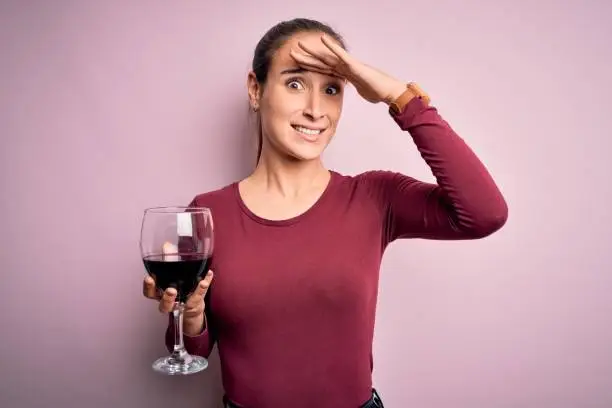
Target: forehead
282,59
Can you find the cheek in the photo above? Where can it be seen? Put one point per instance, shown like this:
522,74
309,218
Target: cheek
334,111
276,123
280,107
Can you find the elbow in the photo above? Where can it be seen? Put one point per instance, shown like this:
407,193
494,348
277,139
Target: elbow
489,226
487,223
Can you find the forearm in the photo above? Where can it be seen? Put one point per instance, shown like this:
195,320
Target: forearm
476,204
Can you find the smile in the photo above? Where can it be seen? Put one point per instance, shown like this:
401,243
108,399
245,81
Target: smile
307,131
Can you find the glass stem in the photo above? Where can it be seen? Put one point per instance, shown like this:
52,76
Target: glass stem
179,353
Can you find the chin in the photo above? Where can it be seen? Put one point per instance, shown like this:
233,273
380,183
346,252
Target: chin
304,154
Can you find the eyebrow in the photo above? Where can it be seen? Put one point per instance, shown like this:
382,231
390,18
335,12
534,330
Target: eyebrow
300,70
297,70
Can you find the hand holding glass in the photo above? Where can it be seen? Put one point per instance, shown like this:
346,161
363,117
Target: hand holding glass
176,244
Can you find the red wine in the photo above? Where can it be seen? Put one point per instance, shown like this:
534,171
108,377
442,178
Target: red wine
180,271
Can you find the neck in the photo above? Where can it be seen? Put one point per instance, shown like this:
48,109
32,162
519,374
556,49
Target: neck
289,178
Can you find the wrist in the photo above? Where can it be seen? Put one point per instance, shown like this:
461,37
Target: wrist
411,91
396,90
194,326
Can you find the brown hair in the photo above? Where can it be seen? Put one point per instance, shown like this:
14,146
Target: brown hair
272,40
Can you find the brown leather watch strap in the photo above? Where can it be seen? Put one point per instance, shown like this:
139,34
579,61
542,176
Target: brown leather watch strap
412,91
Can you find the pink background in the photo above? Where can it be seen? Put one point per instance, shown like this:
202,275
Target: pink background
108,107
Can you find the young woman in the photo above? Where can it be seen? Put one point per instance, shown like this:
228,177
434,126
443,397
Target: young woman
298,247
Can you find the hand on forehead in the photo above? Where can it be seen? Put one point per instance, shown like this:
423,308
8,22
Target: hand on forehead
312,47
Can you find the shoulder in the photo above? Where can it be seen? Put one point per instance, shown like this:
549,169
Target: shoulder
370,188
383,187
375,181
378,176
216,198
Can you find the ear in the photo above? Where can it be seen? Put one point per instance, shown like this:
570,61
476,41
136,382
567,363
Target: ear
254,89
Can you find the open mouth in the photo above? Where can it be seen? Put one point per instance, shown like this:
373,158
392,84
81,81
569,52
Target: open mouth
307,131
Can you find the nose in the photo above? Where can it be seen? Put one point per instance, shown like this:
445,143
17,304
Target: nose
314,108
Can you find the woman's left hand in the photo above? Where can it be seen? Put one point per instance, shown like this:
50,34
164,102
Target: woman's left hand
331,59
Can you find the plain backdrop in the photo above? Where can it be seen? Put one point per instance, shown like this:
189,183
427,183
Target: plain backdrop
108,107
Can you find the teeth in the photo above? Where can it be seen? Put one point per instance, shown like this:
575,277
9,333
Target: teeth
307,131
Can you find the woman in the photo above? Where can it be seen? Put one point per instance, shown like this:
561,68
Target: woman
298,247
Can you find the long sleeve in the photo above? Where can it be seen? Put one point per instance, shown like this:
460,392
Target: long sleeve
464,204
201,344
293,303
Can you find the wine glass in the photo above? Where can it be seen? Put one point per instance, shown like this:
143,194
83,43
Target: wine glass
176,245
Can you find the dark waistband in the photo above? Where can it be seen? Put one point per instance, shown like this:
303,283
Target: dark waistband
373,402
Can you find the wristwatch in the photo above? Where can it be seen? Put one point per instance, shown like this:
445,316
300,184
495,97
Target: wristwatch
412,91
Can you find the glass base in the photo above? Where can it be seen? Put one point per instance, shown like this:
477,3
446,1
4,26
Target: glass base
172,366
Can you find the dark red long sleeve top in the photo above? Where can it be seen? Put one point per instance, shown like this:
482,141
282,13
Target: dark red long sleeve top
292,304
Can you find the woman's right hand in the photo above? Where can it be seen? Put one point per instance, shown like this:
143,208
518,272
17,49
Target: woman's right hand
193,315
